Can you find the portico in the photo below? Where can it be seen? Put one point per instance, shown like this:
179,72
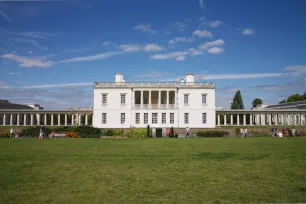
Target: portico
154,99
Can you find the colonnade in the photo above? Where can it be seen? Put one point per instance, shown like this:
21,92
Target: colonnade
48,118
231,118
166,103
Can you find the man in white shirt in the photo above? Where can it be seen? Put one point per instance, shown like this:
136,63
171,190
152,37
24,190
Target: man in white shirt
12,133
187,132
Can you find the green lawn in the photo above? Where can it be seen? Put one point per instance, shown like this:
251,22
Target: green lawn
193,170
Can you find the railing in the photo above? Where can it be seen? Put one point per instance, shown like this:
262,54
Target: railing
154,84
154,106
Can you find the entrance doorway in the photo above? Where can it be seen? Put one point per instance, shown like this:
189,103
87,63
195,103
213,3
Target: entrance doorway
159,132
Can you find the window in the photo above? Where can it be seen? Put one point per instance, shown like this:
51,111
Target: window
104,99
122,118
204,99
171,118
122,98
204,118
137,118
186,118
164,118
186,99
154,118
145,118
104,118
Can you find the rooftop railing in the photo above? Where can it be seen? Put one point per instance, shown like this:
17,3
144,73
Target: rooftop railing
154,84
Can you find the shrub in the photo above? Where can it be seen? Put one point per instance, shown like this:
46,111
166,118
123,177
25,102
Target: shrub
5,133
172,132
109,132
136,133
72,134
212,133
117,132
87,131
148,131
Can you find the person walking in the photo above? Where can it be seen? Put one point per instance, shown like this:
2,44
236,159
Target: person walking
246,132
12,133
187,132
241,132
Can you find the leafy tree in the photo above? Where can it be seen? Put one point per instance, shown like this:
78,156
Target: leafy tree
294,98
237,101
256,102
283,101
4,101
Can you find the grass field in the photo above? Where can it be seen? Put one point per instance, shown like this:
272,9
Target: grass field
221,170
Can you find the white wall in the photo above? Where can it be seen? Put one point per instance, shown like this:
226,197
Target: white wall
114,110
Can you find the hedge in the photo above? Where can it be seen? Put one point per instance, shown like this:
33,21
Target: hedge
212,133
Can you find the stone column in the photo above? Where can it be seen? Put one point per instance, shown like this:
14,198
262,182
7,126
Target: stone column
149,98
218,119
263,119
238,122
282,119
25,119
86,119
11,119
79,119
244,119
167,101
32,119
72,119
231,119
59,119
45,119
141,99
159,98
295,119
52,119
251,119
17,119
276,119
65,119
225,120
38,119
4,119
269,118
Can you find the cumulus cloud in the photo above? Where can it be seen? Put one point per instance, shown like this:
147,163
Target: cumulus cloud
215,50
153,47
202,33
58,85
106,43
130,47
215,24
180,39
29,62
179,56
201,2
207,45
296,68
242,76
144,28
248,31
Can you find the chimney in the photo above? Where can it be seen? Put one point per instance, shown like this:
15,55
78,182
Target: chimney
189,78
119,77
182,81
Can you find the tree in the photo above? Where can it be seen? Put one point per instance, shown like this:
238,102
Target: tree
237,101
4,101
283,101
294,98
256,102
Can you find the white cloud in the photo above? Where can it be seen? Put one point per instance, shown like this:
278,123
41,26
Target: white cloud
179,25
248,31
5,16
41,35
202,33
77,49
170,55
195,52
207,45
28,62
180,39
215,50
58,85
180,58
215,24
3,86
145,28
296,68
92,57
201,2
130,48
14,73
153,47
241,76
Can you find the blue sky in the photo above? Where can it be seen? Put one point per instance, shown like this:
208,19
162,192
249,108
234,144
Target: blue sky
51,52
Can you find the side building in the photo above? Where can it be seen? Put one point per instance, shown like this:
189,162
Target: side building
180,104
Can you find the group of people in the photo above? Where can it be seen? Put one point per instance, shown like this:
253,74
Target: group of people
176,134
42,133
243,132
13,134
285,132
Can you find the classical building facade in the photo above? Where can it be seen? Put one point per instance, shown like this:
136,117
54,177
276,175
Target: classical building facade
180,104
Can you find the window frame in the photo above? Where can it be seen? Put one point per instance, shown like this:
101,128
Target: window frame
204,94
104,103
164,118
186,96
145,118
172,118
204,121
104,120
154,119
122,121
186,114
137,119
124,97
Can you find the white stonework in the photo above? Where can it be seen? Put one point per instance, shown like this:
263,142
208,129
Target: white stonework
167,98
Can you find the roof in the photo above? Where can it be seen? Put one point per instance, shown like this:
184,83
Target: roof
5,105
202,85
298,104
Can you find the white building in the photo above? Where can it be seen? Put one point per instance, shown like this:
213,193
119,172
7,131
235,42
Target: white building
181,104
